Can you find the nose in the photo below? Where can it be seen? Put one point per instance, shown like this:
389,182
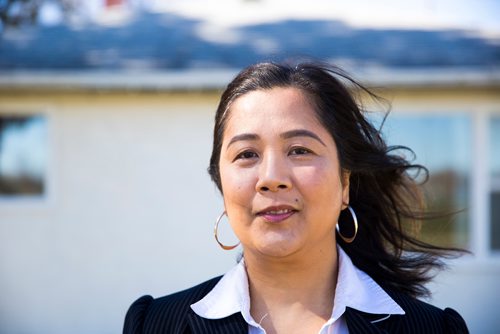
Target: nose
274,174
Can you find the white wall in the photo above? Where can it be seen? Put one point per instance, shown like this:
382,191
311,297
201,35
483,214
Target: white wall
130,211
472,288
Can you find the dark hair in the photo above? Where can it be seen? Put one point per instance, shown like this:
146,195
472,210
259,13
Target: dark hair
383,192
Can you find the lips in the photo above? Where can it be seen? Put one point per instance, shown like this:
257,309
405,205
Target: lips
276,214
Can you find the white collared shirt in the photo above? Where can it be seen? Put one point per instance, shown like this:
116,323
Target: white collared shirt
355,289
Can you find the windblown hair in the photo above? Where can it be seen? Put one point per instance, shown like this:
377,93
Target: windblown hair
383,189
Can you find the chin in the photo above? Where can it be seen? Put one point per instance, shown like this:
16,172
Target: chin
278,248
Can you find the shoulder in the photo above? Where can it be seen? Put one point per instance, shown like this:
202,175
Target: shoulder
422,317
165,314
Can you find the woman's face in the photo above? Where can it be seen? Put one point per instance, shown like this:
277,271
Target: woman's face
280,174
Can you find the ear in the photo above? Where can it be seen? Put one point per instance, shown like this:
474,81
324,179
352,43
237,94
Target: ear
345,179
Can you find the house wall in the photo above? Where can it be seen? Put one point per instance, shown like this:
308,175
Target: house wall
129,210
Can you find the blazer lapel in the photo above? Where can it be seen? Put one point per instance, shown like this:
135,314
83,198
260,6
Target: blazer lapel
229,325
360,323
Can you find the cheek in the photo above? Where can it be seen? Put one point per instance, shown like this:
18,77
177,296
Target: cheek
238,187
309,176
320,182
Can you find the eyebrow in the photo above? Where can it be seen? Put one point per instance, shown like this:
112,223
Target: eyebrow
243,136
301,133
284,135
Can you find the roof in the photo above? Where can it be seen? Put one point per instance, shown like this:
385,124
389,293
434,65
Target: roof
215,79
164,51
169,41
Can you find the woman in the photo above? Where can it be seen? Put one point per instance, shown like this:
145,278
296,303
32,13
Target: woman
295,159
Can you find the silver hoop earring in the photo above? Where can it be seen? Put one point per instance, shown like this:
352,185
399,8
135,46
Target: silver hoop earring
224,247
355,222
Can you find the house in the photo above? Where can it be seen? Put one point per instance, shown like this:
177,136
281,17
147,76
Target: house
103,156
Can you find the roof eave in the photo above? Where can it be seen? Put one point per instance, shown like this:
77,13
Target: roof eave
216,79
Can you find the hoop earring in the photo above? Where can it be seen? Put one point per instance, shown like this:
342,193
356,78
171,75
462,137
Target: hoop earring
355,222
224,247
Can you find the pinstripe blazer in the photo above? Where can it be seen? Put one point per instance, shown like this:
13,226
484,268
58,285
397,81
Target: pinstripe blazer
172,314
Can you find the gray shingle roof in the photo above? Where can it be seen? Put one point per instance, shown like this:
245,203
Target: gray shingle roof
167,41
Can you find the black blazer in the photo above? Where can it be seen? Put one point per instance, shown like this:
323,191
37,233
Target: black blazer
173,315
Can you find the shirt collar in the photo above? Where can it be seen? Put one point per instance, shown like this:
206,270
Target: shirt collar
230,295
355,289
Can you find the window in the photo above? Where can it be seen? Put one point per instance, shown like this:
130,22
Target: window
442,143
494,157
23,155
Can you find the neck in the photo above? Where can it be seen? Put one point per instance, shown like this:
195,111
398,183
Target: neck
284,287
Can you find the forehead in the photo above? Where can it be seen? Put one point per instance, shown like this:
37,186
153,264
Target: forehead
285,106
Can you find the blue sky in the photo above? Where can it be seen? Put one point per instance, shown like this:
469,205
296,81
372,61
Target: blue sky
477,16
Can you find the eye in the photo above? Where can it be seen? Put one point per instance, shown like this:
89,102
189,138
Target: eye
299,151
246,155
